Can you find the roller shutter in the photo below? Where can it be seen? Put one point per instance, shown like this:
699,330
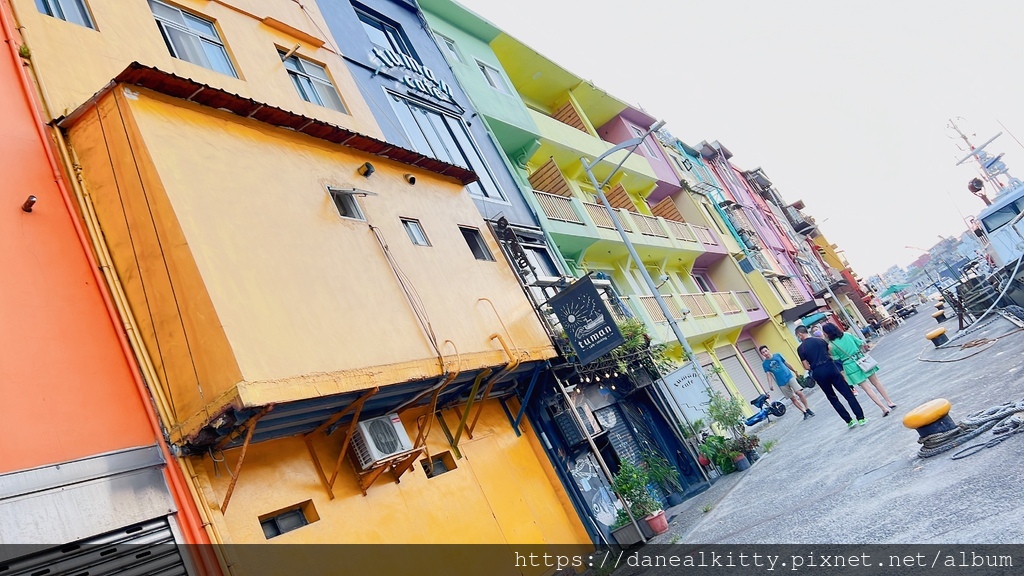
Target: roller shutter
734,368
716,383
144,548
754,360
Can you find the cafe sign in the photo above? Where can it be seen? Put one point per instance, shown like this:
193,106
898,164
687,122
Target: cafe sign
588,324
417,76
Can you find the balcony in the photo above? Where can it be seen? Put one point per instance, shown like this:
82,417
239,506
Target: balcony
699,315
578,225
800,224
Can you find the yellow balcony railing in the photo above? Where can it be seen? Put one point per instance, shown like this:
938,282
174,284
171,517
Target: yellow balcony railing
726,302
705,235
699,305
748,300
650,305
557,207
681,231
648,225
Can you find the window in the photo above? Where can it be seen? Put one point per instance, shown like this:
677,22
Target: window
703,283
191,38
448,46
493,77
476,244
647,141
445,137
312,83
288,519
345,201
67,10
1002,216
415,231
384,34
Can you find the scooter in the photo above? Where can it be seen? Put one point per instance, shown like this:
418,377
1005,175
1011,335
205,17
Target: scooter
765,407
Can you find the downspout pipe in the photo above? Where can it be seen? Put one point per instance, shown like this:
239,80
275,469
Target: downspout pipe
191,523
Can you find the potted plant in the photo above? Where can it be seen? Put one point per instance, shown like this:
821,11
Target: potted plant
661,472
715,448
748,446
728,414
625,533
631,484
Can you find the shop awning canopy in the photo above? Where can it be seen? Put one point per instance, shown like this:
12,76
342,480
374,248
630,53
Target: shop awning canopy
894,289
812,319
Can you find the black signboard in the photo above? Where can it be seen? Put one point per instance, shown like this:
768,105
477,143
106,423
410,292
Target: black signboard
586,320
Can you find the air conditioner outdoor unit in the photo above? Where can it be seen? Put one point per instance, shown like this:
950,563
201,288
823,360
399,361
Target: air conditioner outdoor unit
379,438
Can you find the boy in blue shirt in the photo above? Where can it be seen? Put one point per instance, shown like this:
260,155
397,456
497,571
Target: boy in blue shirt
784,375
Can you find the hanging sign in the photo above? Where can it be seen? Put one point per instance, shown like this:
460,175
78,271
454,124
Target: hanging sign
586,320
418,77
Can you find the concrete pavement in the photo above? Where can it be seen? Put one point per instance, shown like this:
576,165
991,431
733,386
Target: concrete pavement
824,483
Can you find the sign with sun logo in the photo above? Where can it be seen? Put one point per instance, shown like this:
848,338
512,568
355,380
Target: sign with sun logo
586,320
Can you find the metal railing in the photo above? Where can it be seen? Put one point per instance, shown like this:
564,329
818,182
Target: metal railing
748,300
681,231
600,216
699,305
705,235
648,225
557,207
726,302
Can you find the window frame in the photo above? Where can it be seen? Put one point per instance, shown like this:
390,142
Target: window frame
420,139
492,75
477,246
397,40
345,200
409,224
449,45
162,23
314,81
55,9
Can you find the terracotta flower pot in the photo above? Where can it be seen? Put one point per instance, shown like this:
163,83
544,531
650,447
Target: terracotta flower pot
703,460
658,522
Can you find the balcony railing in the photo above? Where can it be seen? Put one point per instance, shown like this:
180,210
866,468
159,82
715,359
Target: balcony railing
748,300
648,225
681,231
705,235
599,214
699,305
557,207
650,304
726,302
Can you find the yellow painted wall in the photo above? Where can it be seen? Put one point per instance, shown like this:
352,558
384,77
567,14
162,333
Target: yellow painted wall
253,266
75,62
498,494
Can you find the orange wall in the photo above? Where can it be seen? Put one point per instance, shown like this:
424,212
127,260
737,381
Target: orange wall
66,386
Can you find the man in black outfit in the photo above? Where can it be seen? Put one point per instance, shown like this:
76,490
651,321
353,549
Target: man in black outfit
813,352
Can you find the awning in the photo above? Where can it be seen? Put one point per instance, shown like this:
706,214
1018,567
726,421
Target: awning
894,289
801,310
812,319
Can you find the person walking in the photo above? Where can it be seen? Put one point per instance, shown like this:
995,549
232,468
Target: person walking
813,353
847,348
785,376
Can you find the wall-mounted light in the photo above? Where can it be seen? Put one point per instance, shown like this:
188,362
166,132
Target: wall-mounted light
411,179
366,170
29,203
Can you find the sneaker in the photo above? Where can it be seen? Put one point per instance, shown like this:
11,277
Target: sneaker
862,421
811,412
807,415
851,424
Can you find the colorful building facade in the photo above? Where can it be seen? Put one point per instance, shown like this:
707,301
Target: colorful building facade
82,455
291,277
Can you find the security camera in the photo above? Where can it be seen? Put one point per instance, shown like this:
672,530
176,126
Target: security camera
410,179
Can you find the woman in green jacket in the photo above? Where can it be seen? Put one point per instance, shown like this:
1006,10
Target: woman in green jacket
847,348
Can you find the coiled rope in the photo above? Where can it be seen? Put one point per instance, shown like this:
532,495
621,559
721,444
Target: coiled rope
1004,420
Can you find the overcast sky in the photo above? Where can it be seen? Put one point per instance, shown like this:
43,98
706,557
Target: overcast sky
844,105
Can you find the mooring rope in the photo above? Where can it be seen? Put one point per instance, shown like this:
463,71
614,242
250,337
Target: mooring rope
1004,420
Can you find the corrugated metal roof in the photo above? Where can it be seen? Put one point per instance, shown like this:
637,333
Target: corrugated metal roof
151,78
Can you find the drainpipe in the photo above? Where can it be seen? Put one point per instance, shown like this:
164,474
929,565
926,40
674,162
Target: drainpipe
191,523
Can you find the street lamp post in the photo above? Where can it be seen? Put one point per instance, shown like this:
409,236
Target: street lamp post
588,167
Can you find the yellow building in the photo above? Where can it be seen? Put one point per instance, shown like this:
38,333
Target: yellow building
326,324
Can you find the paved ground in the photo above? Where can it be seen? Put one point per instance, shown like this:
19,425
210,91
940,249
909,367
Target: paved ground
824,483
